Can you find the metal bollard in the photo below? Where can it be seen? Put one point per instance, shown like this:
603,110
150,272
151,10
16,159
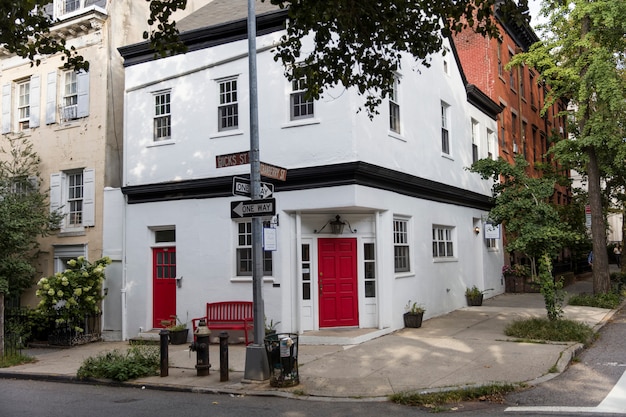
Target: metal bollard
164,339
223,356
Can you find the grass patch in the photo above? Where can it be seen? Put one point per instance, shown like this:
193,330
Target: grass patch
138,361
554,330
609,300
15,359
492,393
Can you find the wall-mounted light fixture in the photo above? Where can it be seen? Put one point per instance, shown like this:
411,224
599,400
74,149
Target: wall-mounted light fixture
477,230
336,226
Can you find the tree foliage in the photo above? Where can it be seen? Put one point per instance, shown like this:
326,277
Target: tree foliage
25,31
581,58
532,222
24,214
360,43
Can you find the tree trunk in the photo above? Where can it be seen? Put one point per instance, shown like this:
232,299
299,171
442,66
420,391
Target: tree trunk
621,256
1,324
601,278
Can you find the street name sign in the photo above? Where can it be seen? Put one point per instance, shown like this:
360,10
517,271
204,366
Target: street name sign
252,208
243,158
241,186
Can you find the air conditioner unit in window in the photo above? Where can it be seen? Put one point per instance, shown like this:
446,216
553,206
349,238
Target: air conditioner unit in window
69,113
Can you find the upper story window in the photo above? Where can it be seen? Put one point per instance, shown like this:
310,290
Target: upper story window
512,74
162,116
23,105
20,105
475,140
72,194
499,52
401,245
71,5
445,122
514,131
228,109
490,144
66,7
394,108
300,107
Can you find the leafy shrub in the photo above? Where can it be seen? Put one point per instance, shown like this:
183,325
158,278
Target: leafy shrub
75,293
553,330
138,361
609,300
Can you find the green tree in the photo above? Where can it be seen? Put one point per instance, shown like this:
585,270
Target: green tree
24,216
581,57
356,43
532,222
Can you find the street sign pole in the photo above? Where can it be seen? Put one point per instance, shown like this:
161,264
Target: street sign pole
257,367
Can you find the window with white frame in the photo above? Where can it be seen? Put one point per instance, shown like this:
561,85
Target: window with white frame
475,140
70,96
394,108
162,116
23,105
72,195
491,243
443,244
244,251
401,245
300,107
228,108
306,271
491,144
369,260
445,132
20,105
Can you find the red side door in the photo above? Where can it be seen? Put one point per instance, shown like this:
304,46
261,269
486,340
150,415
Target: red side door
337,283
163,285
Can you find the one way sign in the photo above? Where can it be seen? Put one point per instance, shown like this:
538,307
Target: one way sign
241,186
252,208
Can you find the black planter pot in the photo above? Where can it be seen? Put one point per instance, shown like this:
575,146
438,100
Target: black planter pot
476,300
413,320
178,337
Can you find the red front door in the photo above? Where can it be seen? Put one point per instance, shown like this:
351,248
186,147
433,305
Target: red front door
337,283
163,284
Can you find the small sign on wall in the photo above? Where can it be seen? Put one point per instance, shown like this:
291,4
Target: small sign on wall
492,231
269,238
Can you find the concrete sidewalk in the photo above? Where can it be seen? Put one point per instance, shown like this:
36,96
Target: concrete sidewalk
463,348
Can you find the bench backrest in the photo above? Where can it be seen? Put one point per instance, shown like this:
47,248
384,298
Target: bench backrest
229,311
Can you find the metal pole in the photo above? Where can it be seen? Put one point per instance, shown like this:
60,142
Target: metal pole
164,339
257,367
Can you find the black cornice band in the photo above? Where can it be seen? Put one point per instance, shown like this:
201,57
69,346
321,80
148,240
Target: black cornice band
351,173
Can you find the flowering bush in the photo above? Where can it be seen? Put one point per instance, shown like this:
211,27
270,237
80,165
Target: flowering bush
72,295
517,270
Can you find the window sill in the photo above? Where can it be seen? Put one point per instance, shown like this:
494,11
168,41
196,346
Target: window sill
408,274
72,232
300,122
249,279
447,156
396,135
161,143
444,260
226,133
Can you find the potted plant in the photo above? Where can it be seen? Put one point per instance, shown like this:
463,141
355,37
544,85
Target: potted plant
270,328
178,330
414,315
474,296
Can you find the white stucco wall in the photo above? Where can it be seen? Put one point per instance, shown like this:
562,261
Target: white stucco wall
205,233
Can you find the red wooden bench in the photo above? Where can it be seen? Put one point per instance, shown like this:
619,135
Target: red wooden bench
228,315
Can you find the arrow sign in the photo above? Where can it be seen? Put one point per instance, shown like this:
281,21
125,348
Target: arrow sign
241,186
252,208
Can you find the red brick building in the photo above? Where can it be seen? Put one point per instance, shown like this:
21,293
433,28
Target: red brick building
519,91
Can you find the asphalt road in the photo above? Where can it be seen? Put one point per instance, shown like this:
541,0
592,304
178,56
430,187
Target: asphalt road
596,380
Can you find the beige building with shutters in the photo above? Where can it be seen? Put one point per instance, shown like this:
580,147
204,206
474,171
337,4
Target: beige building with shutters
74,120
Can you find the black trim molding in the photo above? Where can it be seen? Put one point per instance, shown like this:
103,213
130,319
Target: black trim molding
351,173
